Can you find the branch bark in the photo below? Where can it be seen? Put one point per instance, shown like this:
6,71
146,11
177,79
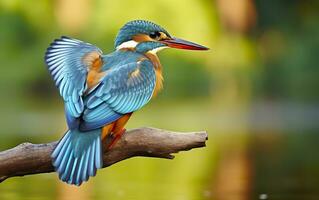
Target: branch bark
27,158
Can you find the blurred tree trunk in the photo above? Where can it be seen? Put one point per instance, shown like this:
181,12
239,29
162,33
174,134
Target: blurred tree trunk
237,16
73,15
233,180
231,98
233,56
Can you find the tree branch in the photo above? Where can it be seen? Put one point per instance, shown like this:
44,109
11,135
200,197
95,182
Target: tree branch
28,158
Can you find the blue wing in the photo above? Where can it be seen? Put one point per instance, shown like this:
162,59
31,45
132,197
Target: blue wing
123,90
66,62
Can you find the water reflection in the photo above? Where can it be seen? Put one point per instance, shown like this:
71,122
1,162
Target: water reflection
234,165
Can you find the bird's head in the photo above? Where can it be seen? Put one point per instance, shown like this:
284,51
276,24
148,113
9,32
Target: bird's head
145,36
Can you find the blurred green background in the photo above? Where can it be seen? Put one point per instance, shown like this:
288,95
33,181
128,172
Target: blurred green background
255,92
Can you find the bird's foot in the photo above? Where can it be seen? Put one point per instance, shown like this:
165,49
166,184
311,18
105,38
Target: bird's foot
116,138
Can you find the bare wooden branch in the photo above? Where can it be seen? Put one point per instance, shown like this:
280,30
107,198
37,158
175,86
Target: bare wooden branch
28,158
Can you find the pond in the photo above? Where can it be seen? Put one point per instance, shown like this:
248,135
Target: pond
239,162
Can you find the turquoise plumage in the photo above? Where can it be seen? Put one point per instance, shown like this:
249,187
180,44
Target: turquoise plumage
63,58
116,94
78,155
99,90
119,93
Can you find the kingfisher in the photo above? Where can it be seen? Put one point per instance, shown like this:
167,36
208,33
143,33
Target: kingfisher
101,92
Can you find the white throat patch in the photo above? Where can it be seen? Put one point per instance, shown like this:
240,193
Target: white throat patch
128,44
154,51
133,44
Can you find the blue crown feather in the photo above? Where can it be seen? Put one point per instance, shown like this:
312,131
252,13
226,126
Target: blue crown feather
137,27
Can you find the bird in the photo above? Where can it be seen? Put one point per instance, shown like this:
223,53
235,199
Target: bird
101,91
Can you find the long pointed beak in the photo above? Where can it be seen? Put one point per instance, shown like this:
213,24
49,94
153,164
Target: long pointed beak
183,44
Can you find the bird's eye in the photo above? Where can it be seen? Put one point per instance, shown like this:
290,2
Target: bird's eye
155,35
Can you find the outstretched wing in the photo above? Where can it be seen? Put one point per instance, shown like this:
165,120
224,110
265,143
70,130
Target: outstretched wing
123,90
69,61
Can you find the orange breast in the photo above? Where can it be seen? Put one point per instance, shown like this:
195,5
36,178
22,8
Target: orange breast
158,72
159,82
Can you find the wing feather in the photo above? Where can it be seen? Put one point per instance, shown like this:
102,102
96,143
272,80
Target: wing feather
65,61
119,93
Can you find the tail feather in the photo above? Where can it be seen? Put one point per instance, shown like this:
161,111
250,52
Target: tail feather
78,155
91,164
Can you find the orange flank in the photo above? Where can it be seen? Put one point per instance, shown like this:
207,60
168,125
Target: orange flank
106,130
115,128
